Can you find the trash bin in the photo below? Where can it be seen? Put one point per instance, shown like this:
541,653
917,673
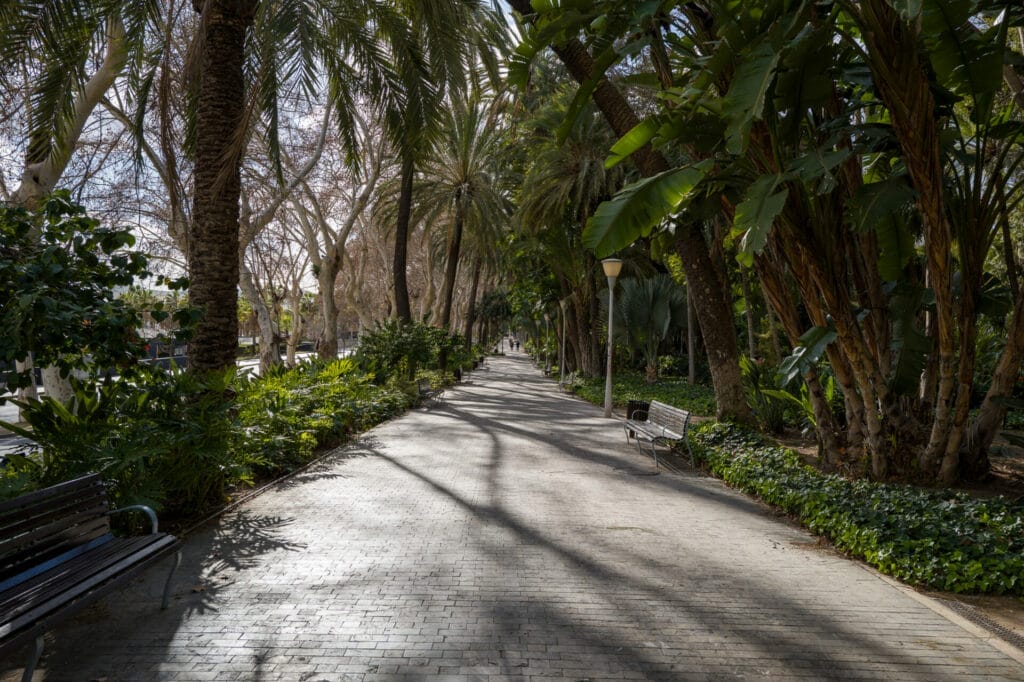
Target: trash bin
637,411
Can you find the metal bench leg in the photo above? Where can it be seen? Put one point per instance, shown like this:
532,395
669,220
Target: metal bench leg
37,652
167,585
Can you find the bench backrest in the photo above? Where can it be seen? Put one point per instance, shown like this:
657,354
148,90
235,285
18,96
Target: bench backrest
48,524
670,417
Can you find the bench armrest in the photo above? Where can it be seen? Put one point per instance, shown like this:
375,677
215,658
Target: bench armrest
153,525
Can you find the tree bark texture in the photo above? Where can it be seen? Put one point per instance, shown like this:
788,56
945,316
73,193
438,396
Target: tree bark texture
899,73
478,266
973,461
213,247
270,336
451,269
326,277
402,309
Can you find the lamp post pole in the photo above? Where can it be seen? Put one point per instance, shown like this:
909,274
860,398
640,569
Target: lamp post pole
612,267
547,337
561,355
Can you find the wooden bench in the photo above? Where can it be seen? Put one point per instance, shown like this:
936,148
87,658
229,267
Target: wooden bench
427,392
58,555
660,424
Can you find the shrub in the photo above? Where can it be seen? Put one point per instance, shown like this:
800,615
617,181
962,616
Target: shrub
162,437
173,441
287,415
398,351
942,539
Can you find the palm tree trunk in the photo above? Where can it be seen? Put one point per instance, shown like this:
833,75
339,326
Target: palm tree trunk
402,309
213,247
691,339
897,67
974,463
778,298
451,269
1008,255
478,267
749,310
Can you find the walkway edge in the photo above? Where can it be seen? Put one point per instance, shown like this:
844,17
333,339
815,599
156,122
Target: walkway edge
952,616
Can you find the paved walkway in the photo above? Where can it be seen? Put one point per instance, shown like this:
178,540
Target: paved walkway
511,534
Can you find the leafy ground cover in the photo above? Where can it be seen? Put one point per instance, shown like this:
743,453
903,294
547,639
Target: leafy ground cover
945,540
697,398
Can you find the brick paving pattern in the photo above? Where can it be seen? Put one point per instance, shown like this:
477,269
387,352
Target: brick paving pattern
510,534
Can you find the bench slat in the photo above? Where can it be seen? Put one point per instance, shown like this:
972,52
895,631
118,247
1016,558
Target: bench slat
57,555
42,545
66,586
72,487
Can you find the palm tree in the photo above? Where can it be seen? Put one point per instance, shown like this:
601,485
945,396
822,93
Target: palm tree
647,312
46,51
462,184
247,54
450,36
564,183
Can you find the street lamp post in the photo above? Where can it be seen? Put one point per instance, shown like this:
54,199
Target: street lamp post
612,268
547,336
561,355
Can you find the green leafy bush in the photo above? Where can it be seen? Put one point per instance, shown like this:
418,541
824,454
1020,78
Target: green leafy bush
399,351
769,407
178,443
160,438
946,540
287,415
697,398
59,271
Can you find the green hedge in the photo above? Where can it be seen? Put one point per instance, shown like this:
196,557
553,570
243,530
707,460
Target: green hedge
697,398
945,540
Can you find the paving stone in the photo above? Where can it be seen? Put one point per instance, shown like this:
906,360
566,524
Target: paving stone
509,533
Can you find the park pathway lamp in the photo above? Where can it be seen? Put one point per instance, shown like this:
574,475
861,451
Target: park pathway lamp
561,354
547,339
612,268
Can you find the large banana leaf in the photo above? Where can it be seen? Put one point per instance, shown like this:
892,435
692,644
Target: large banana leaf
639,207
756,213
745,100
804,78
879,206
636,138
813,343
874,202
967,61
815,167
